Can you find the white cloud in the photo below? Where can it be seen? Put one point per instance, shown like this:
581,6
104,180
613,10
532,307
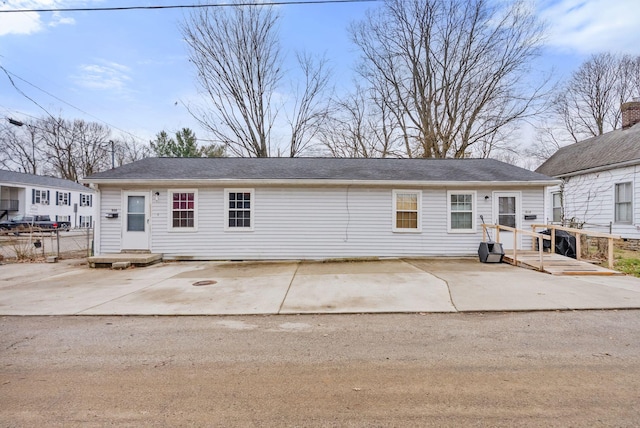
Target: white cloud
26,23
103,75
58,19
592,26
19,23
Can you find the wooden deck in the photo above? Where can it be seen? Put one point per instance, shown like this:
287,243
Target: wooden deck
555,264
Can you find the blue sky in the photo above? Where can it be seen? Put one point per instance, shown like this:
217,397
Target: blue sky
128,69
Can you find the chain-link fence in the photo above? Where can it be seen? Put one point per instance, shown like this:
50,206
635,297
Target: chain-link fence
35,244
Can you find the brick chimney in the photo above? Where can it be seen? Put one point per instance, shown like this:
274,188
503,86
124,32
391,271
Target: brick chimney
630,113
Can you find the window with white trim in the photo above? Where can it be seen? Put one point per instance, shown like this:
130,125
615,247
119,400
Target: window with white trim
86,221
63,218
461,211
239,211
556,205
41,197
63,198
183,209
406,210
85,200
624,203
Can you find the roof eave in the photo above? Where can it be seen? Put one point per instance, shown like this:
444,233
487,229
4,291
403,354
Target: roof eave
599,168
316,182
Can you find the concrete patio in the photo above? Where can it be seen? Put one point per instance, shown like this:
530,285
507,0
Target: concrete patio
291,287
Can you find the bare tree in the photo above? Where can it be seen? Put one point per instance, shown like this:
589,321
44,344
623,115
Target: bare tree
69,149
75,149
21,147
361,126
588,103
236,53
311,106
455,69
127,150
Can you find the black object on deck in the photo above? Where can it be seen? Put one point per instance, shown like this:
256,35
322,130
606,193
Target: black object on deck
490,252
565,243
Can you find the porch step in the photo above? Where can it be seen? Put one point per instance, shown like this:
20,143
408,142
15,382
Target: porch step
120,259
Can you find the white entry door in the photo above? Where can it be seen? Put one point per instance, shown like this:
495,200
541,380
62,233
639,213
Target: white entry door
135,222
506,211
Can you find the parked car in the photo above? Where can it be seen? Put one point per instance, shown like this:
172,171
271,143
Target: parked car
37,222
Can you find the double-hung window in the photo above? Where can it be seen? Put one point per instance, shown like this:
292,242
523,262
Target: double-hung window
86,221
239,209
40,197
407,211
624,203
85,200
63,198
556,202
461,211
183,209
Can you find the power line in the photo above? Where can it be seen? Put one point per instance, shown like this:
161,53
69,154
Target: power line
9,74
190,6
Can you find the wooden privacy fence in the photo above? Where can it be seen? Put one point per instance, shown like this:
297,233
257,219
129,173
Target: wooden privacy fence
578,234
540,237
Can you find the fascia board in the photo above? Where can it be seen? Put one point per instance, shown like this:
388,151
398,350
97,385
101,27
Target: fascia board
318,183
600,168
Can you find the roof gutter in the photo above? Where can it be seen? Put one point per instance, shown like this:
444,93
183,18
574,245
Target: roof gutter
317,182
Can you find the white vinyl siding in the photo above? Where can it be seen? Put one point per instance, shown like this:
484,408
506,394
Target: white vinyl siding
309,223
589,199
110,228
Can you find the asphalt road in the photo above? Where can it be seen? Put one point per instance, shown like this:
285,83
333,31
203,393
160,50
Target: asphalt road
498,369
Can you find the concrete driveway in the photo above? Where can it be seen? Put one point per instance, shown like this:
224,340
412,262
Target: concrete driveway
225,288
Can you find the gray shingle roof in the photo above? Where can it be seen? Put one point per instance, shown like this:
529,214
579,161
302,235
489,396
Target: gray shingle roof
610,149
454,170
40,180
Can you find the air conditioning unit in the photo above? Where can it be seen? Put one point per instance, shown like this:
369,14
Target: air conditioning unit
45,202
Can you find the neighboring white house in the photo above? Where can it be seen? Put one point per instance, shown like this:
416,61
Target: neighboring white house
600,180
61,200
310,208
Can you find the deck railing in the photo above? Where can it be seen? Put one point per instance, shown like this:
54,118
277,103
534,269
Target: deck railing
516,232
578,233
9,204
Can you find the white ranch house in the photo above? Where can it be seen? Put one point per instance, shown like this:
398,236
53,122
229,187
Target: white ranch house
310,208
61,200
600,177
